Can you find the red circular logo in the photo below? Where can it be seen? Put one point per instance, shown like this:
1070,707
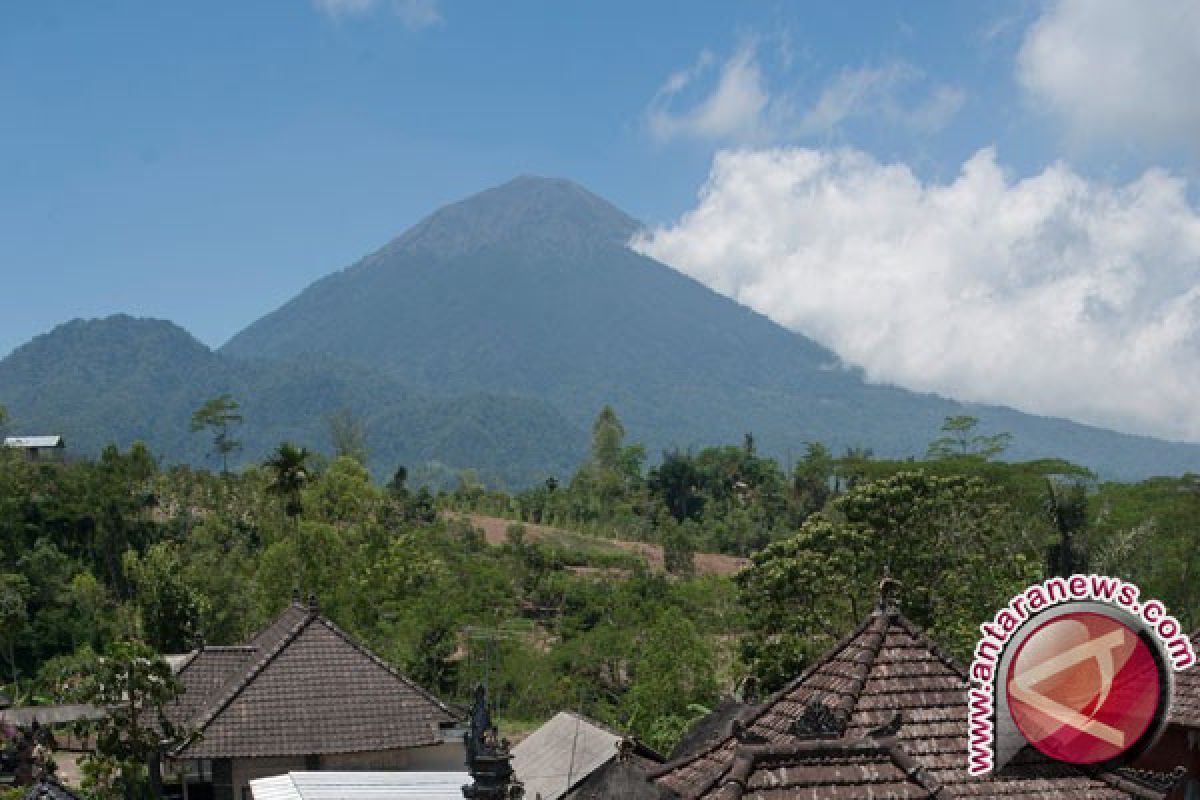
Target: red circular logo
1083,688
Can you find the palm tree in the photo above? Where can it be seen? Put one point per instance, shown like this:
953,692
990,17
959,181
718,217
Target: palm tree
289,471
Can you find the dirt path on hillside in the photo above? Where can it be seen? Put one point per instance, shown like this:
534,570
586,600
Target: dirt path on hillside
495,531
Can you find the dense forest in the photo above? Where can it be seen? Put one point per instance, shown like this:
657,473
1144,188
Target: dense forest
122,548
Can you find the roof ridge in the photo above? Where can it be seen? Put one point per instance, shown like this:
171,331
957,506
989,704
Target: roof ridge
747,757
638,743
924,639
230,694
428,695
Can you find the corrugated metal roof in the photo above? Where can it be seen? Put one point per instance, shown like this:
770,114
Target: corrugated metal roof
561,753
33,441
361,786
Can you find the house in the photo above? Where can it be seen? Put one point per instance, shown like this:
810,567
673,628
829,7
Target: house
882,714
361,786
302,695
1179,744
39,449
573,757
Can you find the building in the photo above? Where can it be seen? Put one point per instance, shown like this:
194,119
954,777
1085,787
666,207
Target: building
572,757
39,449
302,695
882,714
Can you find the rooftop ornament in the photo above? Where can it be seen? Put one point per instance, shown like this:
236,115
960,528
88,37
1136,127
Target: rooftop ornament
488,757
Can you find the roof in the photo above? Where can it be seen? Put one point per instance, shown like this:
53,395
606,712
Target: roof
887,676
710,727
361,786
301,687
203,673
1185,701
49,789
834,768
34,441
566,750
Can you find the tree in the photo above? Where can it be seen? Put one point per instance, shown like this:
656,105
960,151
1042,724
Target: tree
348,434
14,615
672,672
677,481
957,550
289,474
678,549
216,416
135,685
961,441
170,610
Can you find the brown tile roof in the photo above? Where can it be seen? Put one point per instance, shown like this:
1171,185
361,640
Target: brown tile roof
1185,702
843,769
888,666
203,673
306,688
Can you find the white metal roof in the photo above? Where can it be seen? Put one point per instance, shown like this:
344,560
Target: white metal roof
561,753
33,441
361,786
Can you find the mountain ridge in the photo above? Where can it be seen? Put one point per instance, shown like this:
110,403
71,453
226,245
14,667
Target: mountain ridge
490,334
530,288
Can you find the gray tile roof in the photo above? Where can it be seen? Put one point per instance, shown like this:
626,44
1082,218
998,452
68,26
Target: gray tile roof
302,687
566,750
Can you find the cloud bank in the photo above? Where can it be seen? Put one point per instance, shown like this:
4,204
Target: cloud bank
1117,72
1053,294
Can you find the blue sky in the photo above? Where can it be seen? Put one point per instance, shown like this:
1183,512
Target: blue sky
203,162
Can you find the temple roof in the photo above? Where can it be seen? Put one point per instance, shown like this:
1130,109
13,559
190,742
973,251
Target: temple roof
887,679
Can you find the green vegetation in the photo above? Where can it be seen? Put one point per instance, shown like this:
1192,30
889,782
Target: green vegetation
117,554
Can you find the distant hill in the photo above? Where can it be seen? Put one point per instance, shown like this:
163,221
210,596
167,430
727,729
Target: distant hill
529,289
121,379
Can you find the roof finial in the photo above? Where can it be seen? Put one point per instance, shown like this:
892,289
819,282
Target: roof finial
889,592
312,602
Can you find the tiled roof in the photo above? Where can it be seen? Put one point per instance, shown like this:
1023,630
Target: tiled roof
1185,703
826,768
49,789
203,674
884,668
306,688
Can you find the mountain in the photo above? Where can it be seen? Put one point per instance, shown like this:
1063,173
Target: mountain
529,289
121,379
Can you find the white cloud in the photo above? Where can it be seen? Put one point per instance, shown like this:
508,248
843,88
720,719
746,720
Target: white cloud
418,14
415,14
739,106
1053,294
735,109
1117,71
345,8
875,92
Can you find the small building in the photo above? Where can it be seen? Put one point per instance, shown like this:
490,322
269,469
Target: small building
572,757
39,449
302,695
882,714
